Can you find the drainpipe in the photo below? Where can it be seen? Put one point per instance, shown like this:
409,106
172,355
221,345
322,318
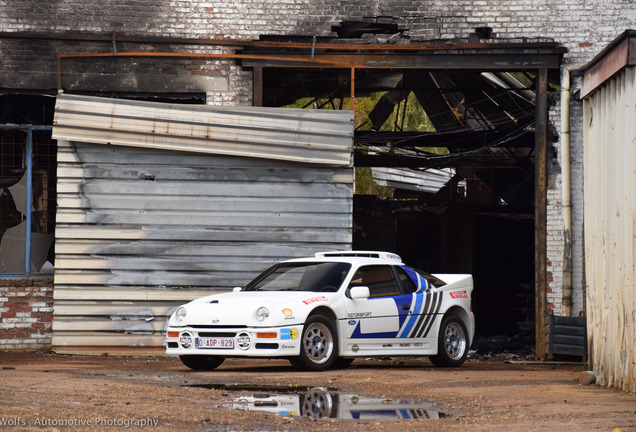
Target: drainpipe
566,190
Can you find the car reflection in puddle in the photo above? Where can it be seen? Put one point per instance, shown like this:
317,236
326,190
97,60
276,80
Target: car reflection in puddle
320,403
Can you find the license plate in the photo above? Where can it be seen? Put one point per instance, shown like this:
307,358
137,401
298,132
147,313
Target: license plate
214,343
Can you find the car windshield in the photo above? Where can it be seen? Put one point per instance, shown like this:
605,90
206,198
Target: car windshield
301,276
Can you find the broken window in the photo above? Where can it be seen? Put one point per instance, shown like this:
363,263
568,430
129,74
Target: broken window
27,198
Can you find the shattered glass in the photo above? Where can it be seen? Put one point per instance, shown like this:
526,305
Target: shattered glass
13,241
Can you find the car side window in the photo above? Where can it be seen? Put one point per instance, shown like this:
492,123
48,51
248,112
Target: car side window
379,279
408,286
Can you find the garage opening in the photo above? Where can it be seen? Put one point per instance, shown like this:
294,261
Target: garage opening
445,154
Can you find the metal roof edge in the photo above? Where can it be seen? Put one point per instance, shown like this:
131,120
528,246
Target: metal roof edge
306,136
618,54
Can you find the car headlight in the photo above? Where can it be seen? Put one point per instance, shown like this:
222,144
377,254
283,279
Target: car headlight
262,314
180,314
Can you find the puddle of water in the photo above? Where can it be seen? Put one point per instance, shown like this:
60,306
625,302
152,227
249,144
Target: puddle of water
259,388
319,402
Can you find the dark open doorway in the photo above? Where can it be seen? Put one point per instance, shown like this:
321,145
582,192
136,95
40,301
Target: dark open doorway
446,136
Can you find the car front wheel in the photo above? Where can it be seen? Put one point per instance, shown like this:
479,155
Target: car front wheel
201,362
318,349
452,343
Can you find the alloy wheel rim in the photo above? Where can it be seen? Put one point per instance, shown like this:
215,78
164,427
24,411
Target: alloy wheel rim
318,343
454,341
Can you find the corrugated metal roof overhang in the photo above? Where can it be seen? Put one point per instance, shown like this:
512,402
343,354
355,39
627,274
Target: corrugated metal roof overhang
298,135
620,53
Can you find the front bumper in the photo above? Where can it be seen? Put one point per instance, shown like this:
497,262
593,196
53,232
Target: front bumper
234,342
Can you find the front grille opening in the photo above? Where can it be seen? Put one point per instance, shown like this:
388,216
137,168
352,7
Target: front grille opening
216,334
266,346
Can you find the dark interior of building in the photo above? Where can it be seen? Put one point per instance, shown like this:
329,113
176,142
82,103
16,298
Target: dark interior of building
476,123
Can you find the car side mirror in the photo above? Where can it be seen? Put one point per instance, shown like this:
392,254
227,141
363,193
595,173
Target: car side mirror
237,289
359,292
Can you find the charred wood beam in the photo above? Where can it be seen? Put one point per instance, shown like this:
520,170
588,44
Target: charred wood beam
474,161
463,140
540,218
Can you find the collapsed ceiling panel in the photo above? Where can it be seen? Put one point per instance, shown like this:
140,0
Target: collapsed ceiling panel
476,97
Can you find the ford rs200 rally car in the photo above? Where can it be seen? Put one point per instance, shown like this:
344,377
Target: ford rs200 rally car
329,309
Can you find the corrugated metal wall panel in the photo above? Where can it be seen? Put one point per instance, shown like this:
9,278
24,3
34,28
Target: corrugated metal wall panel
430,180
140,231
610,219
310,136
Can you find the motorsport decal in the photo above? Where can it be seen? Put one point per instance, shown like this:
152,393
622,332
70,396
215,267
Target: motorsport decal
414,322
459,294
359,314
315,300
288,313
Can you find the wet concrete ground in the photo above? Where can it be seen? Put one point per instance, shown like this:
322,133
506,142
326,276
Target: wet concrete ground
51,392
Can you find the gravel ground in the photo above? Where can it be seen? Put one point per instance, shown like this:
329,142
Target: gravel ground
58,393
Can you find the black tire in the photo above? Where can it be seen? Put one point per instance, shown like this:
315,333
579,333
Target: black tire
201,362
452,343
319,347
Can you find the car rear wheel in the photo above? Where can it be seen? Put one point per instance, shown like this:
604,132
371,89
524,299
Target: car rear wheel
318,348
201,362
452,343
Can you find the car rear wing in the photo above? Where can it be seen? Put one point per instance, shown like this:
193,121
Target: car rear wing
362,254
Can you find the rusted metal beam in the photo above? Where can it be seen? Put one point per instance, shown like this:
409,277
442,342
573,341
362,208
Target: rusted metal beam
540,213
353,90
476,60
468,58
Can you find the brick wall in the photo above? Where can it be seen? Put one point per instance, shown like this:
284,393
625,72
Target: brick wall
584,27
26,313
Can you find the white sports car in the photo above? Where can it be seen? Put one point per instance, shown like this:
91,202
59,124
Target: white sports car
327,310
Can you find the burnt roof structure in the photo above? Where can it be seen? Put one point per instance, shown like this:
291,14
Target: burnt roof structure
484,115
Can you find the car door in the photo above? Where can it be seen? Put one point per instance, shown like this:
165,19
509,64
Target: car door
373,323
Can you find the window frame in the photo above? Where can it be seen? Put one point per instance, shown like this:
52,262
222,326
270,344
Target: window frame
28,129
394,274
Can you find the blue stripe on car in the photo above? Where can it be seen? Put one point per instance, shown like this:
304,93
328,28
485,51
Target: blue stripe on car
417,310
419,322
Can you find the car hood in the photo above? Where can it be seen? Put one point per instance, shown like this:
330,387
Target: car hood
239,308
